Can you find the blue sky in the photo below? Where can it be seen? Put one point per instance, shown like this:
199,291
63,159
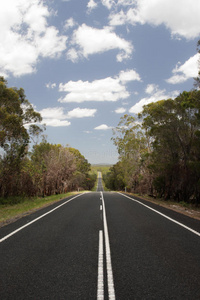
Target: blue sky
85,63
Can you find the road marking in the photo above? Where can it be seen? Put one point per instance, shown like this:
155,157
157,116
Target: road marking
100,207
163,215
111,289
100,285
33,221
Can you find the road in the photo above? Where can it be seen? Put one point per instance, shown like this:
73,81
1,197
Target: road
101,245
99,182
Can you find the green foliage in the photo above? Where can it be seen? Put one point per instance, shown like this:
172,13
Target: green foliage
114,179
161,155
197,79
15,113
82,178
48,169
133,148
174,127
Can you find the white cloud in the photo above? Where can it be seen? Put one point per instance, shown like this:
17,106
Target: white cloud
56,122
91,41
81,113
120,110
50,85
91,5
155,94
129,75
26,36
103,127
53,112
70,23
125,2
183,72
73,55
151,89
107,89
181,17
108,3
56,116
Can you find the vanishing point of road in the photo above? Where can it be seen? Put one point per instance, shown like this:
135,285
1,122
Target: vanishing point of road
101,245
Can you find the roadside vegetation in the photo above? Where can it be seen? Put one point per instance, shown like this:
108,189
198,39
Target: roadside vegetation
46,169
159,150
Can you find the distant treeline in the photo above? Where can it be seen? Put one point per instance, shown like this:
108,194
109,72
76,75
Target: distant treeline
48,169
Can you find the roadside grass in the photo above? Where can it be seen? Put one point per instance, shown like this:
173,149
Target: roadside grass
19,207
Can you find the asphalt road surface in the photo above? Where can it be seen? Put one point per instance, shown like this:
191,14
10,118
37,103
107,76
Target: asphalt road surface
99,182
101,245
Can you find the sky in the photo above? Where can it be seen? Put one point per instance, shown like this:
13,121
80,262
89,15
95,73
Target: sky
85,63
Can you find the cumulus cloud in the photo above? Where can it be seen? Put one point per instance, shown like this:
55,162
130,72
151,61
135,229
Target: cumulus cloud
120,110
91,41
103,127
54,117
81,113
155,94
107,89
57,117
27,36
170,13
129,75
185,71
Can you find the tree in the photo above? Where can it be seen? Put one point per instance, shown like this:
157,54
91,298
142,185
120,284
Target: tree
132,145
174,126
15,113
53,167
82,178
114,179
197,79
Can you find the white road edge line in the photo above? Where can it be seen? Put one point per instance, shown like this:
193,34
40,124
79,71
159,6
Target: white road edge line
35,220
111,289
100,283
163,215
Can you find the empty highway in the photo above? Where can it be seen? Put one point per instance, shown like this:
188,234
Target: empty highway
101,245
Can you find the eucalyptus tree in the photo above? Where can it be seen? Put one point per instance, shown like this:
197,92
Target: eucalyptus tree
132,144
197,79
15,113
174,126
